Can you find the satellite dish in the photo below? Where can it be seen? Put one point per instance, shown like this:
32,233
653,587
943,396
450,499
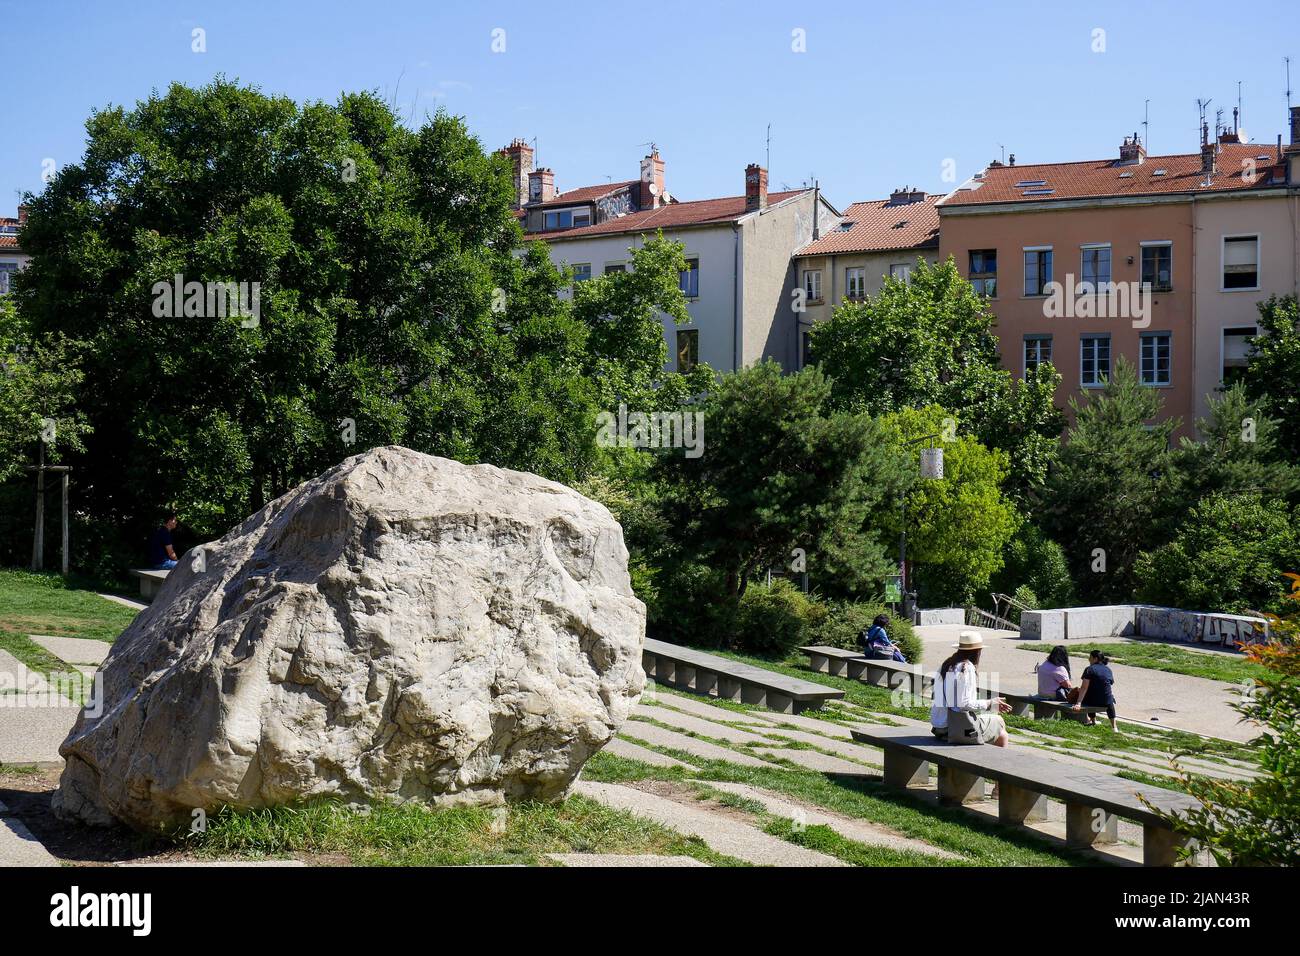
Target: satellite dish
654,189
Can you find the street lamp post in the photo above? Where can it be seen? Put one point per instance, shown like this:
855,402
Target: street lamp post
931,468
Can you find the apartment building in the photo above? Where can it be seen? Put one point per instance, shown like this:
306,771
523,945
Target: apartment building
740,279
1084,262
872,242
12,257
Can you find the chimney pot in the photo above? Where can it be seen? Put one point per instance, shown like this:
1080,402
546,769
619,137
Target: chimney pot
1209,158
1131,151
755,187
541,185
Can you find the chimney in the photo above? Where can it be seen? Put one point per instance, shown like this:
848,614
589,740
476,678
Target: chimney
1295,127
652,181
22,216
901,197
1131,151
541,185
1209,161
520,155
1011,160
755,187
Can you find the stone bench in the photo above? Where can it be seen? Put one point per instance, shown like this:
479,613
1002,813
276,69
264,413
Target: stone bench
713,676
835,661
913,677
151,581
1023,704
1093,801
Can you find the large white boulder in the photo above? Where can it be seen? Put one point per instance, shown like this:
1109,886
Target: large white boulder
401,627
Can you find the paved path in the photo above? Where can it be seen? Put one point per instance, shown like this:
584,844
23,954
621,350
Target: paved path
625,748
118,599
660,737
722,833
1175,700
860,831
34,718
698,725
74,650
18,847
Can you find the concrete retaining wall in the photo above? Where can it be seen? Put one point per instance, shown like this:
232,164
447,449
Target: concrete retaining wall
1141,620
940,615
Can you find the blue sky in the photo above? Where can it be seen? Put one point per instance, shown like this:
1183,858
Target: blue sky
883,95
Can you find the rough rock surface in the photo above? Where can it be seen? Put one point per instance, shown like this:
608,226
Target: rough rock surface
401,627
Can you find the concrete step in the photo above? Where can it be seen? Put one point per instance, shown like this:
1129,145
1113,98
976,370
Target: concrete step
19,846
619,859
639,730
625,748
857,830
723,834
821,763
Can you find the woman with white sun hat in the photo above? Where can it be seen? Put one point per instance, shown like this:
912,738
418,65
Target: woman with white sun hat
955,687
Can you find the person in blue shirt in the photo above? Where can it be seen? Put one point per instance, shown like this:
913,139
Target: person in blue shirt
1095,689
877,644
162,555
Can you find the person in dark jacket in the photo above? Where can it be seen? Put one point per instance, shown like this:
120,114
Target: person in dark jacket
1096,687
876,642
162,555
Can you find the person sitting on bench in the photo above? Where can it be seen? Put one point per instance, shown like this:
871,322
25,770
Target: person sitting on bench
1054,677
1096,687
162,556
876,642
955,686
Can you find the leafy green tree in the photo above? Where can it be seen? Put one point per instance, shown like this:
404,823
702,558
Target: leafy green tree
1257,822
1273,368
781,471
927,341
1034,561
1104,500
957,526
38,381
1229,555
1239,452
394,304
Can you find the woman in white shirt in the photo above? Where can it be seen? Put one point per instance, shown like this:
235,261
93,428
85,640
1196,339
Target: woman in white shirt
955,686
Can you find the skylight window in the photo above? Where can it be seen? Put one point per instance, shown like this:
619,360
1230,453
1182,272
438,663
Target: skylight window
1039,192
1159,172
1031,182
1125,175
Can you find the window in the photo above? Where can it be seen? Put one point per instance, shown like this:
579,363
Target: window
900,270
983,271
1236,350
1094,360
558,220
1038,349
581,271
689,281
1154,369
812,284
807,347
582,218
855,283
688,349
1038,271
1241,262
6,270
1095,266
615,267
1158,265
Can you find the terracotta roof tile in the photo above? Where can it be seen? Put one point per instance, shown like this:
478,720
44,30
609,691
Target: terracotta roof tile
1106,177
881,225
673,216
585,194
8,240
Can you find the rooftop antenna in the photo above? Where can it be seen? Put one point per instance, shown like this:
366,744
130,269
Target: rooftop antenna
1236,117
767,161
1146,116
1287,61
1004,154
1205,130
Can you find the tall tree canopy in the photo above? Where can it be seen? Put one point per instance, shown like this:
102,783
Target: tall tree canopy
395,303
1273,369
928,340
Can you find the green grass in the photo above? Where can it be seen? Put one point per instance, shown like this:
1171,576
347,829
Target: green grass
414,835
978,842
1153,655
32,603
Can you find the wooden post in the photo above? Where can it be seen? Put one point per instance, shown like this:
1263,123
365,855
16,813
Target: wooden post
38,536
64,526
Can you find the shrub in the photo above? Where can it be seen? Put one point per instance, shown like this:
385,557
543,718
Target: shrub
772,620
1228,555
1034,561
